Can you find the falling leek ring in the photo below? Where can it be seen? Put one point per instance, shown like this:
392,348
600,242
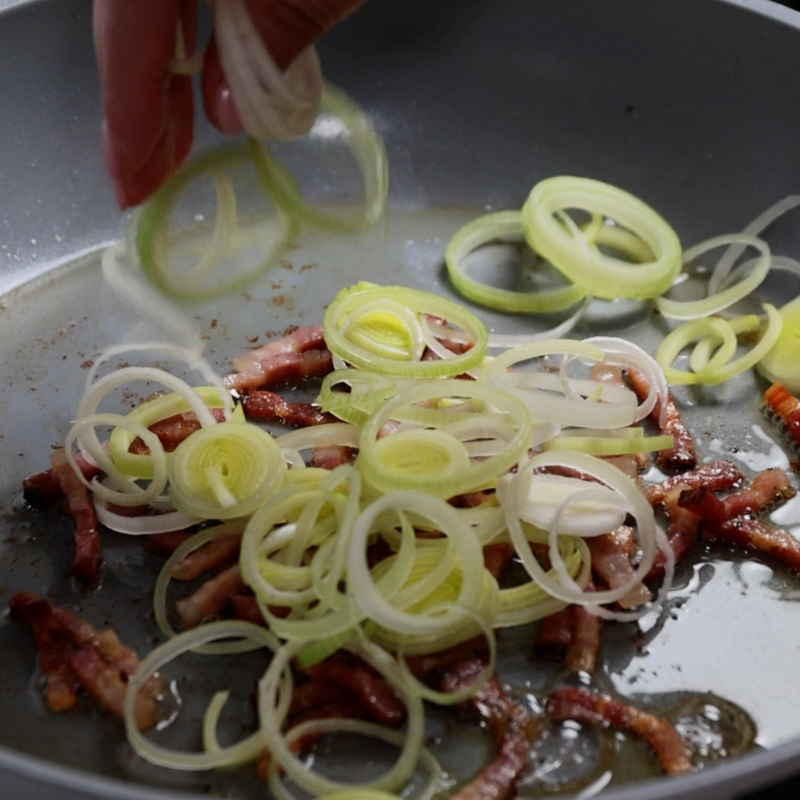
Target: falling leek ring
387,467
209,281
225,471
602,275
716,370
347,341
481,231
367,147
722,299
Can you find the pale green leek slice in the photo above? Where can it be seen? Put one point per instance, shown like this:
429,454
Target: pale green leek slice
583,262
782,362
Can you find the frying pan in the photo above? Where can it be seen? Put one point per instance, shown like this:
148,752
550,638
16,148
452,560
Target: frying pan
694,105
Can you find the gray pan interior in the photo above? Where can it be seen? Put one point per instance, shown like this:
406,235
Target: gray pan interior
692,104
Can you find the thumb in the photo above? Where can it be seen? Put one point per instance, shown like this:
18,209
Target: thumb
286,27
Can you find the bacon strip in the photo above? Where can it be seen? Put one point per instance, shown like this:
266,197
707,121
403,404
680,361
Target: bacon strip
511,725
682,455
716,475
207,602
611,563
73,655
297,341
42,489
88,544
586,706
265,406
767,487
755,535
574,633
786,408
214,555
681,532
282,369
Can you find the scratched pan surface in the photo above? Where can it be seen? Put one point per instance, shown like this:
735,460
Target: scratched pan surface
692,104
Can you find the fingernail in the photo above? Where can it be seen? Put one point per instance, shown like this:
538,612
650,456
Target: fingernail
225,113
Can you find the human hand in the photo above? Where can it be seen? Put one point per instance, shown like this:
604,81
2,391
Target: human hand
148,108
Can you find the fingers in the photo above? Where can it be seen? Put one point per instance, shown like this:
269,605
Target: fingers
147,111
286,27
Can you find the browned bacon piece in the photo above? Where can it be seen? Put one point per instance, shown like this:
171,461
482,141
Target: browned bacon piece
299,340
214,555
73,655
496,557
371,690
611,563
289,360
261,405
509,722
586,706
209,600
767,487
785,408
755,535
244,606
165,544
42,489
681,531
682,455
88,544
716,475
331,456
574,633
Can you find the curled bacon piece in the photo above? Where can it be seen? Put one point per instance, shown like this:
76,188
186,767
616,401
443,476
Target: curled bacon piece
681,531
682,455
261,405
510,723
73,655
755,535
784,407
767,487
88,544
584,705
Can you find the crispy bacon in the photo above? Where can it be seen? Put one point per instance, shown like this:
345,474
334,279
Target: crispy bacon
681,531
165,544
372,691
331,456
509,722
682,455
264,406
282,369
611,563
785,408
767,487
214,555
755,535
73,655
586,706
716,475
88,544
42,489
211,598
574,633
496,557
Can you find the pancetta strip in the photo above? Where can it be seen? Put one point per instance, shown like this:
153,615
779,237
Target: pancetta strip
767,487
755,535
681,531
283,369
509,722
299,340
209,600
716,475
611,564
73,654
263,406
88,544
785,408
586,706
682,455
214,555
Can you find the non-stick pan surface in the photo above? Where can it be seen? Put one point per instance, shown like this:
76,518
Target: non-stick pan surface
694,105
